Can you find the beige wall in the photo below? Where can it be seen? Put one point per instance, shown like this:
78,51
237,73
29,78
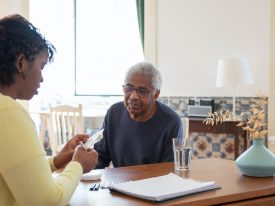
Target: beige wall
152,50
15,7
150,26
271,106
193,35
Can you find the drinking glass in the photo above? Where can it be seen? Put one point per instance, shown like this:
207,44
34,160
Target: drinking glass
182,153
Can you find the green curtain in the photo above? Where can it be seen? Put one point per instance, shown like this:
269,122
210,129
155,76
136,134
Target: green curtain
140,14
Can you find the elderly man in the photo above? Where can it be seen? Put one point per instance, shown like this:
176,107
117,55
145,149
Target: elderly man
140,129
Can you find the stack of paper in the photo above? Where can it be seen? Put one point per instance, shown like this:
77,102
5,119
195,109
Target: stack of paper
163,187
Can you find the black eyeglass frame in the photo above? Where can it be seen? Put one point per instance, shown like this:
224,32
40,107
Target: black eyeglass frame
141,91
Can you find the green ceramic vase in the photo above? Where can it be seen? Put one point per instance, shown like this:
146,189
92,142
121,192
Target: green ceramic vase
257,161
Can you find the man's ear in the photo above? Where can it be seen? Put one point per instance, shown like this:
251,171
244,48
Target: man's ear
157,94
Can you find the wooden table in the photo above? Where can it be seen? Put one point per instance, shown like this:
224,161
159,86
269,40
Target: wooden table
236,189
227,127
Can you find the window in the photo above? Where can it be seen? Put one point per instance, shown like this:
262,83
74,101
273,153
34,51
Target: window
97,41
55,20
107,44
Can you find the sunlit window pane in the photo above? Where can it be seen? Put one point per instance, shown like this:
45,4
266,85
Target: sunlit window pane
107,44
55,19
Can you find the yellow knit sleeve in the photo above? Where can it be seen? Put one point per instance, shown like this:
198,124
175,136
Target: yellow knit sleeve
25,172
51,163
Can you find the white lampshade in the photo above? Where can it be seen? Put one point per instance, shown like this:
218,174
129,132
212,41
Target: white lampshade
233,72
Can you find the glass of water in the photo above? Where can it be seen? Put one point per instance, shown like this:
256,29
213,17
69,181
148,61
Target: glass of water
182,153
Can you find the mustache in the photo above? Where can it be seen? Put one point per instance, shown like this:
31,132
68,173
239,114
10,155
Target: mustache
135,102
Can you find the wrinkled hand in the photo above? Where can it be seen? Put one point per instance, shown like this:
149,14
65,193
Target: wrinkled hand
88,159
66,154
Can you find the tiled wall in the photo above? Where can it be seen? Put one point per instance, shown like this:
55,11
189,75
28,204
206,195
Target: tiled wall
206,144
180,104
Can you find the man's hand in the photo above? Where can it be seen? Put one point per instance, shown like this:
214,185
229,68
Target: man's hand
88,159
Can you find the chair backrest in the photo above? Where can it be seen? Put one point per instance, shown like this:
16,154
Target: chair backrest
66,122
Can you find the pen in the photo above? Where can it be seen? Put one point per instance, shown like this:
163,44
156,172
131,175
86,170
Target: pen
97,187
92,187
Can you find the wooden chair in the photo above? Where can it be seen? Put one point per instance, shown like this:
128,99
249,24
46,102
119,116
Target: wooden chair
65,122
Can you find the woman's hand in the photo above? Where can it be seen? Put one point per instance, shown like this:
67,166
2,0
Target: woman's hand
88,159
66,154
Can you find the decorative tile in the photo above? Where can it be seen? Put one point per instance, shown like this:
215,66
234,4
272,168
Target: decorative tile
213,145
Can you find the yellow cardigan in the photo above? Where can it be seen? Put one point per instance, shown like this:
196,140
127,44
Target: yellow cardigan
25,171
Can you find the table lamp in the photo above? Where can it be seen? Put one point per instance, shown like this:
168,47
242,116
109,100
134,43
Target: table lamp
234,72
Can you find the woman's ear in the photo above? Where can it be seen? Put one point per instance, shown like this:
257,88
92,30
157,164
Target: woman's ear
19,64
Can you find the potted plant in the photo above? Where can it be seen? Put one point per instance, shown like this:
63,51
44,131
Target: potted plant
257,161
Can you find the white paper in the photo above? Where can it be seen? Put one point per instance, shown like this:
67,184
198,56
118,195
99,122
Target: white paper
163,187
92,175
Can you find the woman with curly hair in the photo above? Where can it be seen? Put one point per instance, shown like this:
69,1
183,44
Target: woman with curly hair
25,171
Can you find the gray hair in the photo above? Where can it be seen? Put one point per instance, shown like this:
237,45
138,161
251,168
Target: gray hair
147,69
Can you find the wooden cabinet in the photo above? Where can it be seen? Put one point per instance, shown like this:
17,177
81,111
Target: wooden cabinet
228,127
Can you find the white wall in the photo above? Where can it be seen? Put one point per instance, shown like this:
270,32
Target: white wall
193,34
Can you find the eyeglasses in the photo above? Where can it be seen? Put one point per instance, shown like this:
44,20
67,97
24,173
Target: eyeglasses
141,91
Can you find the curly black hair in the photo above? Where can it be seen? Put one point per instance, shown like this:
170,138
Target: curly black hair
19,36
